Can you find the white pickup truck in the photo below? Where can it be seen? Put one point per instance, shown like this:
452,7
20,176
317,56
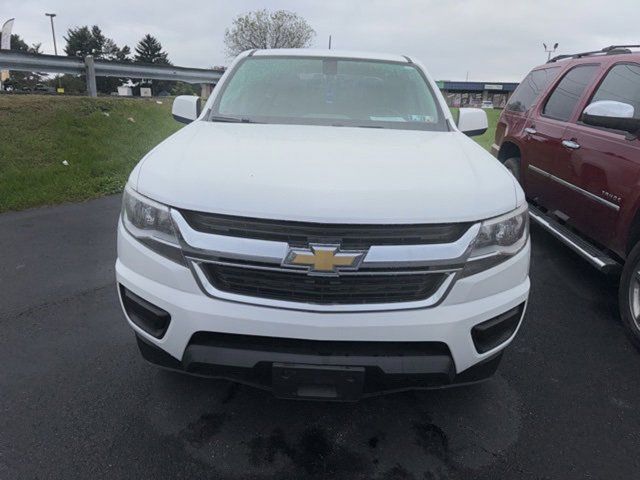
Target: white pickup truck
323,228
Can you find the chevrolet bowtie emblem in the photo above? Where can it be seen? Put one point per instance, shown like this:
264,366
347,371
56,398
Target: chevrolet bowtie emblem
323,259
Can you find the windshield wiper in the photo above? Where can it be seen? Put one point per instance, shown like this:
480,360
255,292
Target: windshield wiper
216,118
355,126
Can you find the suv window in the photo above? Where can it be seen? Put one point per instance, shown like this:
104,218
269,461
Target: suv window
565,96
530,89
621,84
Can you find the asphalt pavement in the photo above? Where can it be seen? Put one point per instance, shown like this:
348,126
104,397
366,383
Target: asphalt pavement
77,401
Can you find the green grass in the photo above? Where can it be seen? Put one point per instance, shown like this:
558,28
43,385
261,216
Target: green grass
38,133
487,139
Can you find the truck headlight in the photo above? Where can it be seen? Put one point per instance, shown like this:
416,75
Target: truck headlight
499,238
150,223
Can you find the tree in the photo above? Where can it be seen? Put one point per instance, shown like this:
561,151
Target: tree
83,41
23,79
149,50
74,84
261,29
111,51
183,88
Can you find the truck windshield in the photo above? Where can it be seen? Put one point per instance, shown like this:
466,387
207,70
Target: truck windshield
328,91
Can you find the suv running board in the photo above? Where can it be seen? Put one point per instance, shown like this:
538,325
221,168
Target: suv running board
595,257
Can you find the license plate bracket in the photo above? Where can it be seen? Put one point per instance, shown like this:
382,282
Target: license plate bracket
317,382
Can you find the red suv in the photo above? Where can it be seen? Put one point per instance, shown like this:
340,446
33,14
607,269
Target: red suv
569,134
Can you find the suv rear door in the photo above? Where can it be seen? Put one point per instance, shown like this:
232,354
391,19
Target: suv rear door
602,166
547,155
513,119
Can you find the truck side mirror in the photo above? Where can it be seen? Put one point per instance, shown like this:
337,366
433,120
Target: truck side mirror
472,121
186,108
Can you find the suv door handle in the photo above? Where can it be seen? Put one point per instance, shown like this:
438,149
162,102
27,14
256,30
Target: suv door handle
531,130
570,144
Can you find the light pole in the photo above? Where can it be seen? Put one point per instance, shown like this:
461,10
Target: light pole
550,50
55,46
53,32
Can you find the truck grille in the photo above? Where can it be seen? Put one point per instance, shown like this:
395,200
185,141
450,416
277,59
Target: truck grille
349,236
342,290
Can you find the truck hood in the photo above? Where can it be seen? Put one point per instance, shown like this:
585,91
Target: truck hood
327,174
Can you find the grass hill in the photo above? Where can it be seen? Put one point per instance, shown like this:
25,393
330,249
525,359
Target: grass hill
100,139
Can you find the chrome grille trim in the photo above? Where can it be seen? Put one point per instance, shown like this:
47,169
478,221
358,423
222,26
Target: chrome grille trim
200,248
197,244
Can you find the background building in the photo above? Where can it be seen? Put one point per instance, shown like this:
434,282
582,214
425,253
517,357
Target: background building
472,94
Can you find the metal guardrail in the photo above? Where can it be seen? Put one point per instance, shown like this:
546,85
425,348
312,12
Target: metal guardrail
29,62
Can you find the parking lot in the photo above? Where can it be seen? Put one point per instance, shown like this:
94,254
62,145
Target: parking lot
77,401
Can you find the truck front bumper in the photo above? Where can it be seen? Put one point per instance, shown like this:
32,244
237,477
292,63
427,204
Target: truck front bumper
297,353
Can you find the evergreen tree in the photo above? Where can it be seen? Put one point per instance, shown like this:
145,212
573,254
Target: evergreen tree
111,51
83,41
149,50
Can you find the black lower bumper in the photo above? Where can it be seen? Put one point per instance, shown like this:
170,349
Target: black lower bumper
320,370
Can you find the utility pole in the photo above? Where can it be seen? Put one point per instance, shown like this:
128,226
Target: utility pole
550,50
55,45
329,42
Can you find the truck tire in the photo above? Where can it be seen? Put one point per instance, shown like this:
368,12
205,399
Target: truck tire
629,295
513,165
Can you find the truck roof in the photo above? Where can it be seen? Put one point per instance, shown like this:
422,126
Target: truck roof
313,52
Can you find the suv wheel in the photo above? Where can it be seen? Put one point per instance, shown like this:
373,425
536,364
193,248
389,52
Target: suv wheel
513,165
629,295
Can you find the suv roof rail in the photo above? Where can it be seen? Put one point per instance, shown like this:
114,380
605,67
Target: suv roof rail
610,50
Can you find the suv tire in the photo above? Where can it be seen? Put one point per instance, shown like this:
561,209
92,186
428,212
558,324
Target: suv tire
629,295
513,165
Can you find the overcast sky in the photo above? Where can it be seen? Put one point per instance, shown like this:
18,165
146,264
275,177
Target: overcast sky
492,40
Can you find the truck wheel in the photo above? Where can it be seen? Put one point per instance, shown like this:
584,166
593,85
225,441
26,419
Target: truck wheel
513,165
629,295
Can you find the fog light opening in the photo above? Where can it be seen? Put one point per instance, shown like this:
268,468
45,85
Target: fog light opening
494,332
148,317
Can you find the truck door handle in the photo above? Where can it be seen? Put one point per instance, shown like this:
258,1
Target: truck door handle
531,130
570,144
